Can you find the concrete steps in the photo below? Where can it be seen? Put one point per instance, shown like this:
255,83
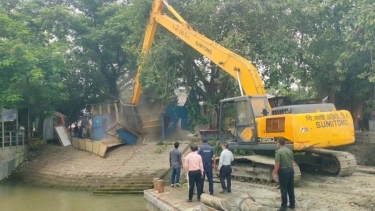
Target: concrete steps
125,188
126,185
117,192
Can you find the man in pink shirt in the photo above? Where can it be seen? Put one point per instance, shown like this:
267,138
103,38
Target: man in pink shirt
194,167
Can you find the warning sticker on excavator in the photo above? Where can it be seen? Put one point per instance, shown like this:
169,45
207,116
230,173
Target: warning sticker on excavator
304,129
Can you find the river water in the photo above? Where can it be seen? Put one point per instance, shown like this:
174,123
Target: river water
22,198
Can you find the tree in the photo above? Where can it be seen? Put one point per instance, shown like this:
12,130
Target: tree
101,33
31,68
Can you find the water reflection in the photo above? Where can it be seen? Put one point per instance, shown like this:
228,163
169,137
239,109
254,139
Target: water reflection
21,198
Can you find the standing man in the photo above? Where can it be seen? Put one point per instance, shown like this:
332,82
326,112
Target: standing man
284,173
175,162
194,167
225,169
208,157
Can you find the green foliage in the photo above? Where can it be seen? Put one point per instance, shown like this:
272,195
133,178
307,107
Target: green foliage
63,54
159,143
31,70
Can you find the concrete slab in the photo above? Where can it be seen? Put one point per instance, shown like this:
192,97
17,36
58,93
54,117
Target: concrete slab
171,199
176,198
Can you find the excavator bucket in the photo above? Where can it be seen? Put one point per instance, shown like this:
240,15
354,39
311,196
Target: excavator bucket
143,118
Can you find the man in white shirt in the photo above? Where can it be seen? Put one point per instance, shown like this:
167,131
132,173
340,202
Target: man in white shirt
225,169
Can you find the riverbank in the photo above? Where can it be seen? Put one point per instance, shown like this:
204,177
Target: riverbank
124,167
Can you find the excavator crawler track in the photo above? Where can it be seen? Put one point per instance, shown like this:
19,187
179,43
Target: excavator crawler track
335,162
258,169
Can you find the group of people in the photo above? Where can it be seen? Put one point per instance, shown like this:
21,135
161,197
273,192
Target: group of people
200,163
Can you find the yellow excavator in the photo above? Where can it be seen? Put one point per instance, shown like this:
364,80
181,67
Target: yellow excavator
248,122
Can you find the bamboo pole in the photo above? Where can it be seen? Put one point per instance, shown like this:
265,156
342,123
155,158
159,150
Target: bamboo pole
2,125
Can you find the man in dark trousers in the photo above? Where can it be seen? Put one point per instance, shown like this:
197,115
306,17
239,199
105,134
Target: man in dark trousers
208,157
194,166
175,163
225,169
284,173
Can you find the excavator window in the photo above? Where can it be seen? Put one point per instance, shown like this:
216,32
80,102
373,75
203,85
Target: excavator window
228,115
244,114
258,105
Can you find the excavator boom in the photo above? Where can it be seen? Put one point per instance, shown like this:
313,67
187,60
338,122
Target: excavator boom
235,65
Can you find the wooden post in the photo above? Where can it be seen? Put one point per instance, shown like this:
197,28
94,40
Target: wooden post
17,127
100,109
116,111
154,181
2,125
160,185
108,108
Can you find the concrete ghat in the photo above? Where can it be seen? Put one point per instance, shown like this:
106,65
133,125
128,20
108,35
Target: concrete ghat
10,159
173,199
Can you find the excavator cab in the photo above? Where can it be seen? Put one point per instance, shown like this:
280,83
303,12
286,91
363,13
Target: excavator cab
237,118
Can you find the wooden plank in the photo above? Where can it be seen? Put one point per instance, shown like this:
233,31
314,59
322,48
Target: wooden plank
93,110
102,150
95,147
111,143
75,143
82,145
88,146
63,135
116,111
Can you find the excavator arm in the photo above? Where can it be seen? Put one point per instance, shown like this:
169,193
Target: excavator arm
238,67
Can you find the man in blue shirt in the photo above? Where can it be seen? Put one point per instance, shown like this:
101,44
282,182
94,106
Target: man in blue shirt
208,158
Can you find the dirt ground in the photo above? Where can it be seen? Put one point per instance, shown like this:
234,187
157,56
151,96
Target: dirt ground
318,192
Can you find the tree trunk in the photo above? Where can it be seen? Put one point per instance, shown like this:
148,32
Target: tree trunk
111,78
39,128
113,90
245,202
212,201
